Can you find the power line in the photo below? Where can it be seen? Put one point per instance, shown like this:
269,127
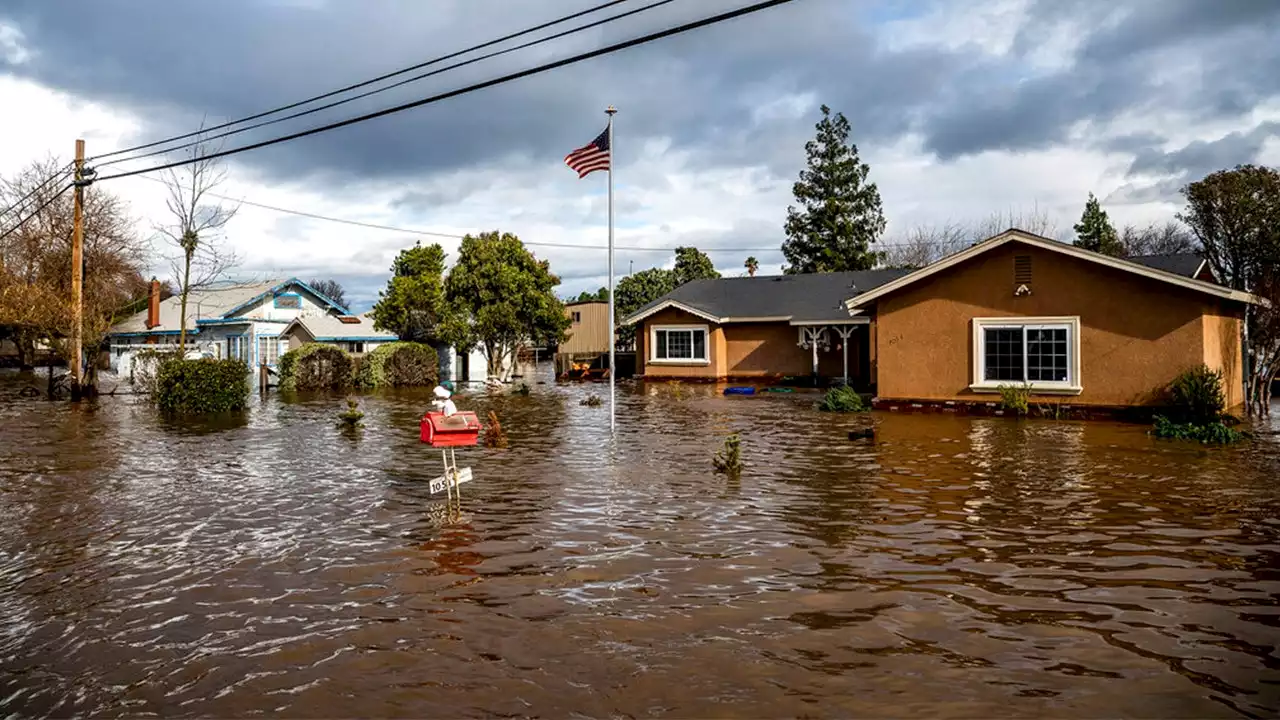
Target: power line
59,174
208,138
470,88
35,212
364,83
451,236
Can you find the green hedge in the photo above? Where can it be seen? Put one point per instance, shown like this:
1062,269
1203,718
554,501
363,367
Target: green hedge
399,364
202,386
315,366
842,398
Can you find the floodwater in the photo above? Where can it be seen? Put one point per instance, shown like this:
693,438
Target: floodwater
268,564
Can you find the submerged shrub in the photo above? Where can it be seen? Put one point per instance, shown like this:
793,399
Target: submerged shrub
399,364
592,400
1197,397
1213,433
315,366
842,399
494,436
728,459
202,386
1015,398
350,418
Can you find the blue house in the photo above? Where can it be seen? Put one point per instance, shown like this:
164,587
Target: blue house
234,320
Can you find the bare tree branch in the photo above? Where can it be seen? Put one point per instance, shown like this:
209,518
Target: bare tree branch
196,226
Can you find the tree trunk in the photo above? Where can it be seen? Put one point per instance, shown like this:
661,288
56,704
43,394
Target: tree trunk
492,360
26,345
186,290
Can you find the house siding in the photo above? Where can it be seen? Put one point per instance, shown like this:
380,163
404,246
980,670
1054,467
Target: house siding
591,333
1136,334
748,350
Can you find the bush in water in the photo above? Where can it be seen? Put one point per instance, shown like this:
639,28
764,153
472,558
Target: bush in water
202,386
399,364
1197,397
842,399
1214,433
315,366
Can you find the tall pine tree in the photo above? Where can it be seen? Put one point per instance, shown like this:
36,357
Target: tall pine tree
1095,232
840,214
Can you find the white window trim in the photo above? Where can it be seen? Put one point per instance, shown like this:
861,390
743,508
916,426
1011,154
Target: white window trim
653,345
1072,386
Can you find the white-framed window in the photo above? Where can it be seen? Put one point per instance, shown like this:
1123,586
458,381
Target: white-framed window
238,348
679,344
1042,352
268,349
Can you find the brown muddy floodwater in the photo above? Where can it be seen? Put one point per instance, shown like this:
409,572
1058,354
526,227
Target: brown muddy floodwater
269,565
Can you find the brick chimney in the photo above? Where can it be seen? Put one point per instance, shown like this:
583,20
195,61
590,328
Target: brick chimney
153,305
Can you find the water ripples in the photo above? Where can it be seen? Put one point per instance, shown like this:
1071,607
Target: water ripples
270,565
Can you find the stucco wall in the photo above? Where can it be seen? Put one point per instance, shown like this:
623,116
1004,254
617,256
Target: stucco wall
1137,334
1222,349
745,350
671,316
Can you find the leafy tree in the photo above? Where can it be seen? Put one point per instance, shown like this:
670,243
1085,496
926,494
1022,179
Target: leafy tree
331,289
637,290
1094,231
751,265
505,297
840,214
692,264
413,304
601,295
1235,214
35,265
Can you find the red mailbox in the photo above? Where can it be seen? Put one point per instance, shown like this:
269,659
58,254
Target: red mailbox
458,430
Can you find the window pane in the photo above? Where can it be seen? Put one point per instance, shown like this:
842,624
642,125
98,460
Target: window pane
699,345
679,344
1047,354
1002,354
660,351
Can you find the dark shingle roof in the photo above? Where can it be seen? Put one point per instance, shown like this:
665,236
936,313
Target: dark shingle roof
802,298
1184,264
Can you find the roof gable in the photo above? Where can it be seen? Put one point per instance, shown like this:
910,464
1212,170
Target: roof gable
276,289
856,302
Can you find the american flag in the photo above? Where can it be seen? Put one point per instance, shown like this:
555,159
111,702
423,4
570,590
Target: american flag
589,158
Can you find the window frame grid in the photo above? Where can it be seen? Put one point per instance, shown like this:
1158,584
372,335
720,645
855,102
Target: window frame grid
1069,324
653,345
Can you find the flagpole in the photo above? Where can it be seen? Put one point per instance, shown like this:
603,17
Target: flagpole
613,338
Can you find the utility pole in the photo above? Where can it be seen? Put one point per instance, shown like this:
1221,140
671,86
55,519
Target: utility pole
77,273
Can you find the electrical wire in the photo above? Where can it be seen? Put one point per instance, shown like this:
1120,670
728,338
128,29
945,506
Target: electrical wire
59,174
209,138
609,49
451,236
35,212
365,83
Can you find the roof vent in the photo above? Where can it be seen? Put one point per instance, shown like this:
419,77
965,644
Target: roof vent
1022,270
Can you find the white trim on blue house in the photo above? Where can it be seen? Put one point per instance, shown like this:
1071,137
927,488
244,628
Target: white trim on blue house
276,290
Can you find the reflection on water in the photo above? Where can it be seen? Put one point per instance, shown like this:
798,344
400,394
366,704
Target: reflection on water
269,564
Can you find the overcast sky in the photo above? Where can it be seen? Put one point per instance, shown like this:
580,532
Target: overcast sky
963,109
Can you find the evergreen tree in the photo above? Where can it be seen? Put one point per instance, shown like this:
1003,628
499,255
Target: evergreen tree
840,214
1095,232
692,264
413,304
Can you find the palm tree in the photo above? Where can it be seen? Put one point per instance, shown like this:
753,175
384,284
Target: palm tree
751,265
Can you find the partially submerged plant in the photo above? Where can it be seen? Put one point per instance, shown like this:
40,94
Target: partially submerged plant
728,459
1214,433
1197,395
842,398
350,418
494,437
522,390
1015,398
592,400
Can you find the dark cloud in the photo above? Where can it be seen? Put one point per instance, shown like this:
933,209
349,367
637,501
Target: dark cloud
1200,158
174,63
